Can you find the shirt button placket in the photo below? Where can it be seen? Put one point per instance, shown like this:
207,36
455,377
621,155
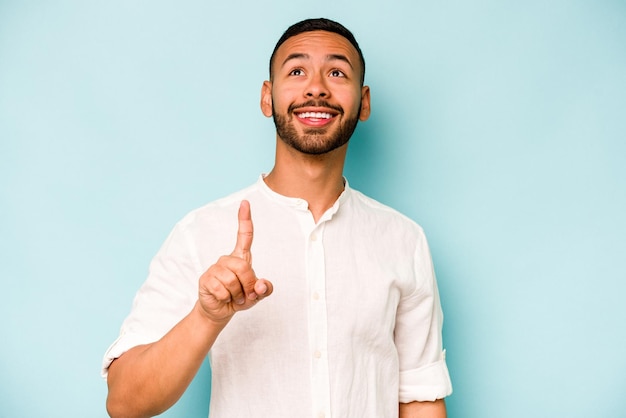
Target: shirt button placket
317,282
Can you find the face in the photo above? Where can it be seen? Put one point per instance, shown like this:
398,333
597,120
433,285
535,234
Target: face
315,94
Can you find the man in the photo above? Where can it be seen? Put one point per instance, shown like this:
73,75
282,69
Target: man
352,322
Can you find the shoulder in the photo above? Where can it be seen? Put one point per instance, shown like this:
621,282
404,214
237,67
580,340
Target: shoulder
373,210
210,230
218,210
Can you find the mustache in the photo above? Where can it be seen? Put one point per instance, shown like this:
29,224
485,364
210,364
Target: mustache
315,103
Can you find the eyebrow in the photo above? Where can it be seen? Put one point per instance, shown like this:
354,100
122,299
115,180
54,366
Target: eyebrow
330,57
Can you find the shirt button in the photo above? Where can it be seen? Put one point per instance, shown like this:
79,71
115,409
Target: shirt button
317,354
321,415
316,296
313,237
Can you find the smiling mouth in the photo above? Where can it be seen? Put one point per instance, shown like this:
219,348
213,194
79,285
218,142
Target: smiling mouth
314,115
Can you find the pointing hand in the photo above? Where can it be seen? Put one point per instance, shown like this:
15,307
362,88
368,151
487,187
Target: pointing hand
230,285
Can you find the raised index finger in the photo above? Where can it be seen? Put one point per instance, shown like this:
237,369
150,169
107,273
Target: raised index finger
245,232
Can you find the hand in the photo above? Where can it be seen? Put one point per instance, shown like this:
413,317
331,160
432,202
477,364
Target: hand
230,285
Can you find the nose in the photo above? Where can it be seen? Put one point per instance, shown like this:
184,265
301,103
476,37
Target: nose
317,87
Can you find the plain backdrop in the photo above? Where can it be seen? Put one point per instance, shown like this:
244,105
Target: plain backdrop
499,126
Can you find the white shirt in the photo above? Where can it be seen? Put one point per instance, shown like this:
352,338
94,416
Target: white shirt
353,326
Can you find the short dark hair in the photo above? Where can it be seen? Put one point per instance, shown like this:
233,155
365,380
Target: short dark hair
310,25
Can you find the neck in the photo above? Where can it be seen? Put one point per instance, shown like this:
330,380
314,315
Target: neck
318,179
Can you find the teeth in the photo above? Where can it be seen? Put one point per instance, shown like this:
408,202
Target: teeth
316,115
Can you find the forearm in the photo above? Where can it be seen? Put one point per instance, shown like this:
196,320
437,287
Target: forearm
436,409
148,379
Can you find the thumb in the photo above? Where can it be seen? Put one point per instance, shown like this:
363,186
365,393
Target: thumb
245,232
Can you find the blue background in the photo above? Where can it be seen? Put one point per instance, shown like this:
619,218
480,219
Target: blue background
499,126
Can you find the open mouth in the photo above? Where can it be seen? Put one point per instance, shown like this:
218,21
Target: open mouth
314,115
313,118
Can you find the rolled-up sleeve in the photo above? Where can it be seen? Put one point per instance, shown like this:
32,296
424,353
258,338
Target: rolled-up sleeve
424,374
427,383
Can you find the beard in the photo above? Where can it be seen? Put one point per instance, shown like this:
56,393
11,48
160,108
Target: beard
314,141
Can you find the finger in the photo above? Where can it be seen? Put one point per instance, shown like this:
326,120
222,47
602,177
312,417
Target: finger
259,290
232,283
223,284
242,270
217,290
245,233
263,288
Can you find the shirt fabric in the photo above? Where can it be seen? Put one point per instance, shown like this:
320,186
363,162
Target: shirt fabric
353,326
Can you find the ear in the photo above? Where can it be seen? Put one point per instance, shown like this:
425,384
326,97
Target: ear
365,104
266,98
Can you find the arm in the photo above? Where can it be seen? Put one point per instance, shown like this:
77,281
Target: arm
148,379
436,409
423,371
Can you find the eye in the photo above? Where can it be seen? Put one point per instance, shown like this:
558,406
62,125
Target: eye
296,72
337,73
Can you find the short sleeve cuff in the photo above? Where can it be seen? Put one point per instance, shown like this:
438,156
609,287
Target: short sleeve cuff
124,342
427,383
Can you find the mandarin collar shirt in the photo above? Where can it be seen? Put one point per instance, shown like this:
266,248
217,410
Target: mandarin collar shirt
353,326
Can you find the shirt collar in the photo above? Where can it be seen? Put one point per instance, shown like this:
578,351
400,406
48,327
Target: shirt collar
301,204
